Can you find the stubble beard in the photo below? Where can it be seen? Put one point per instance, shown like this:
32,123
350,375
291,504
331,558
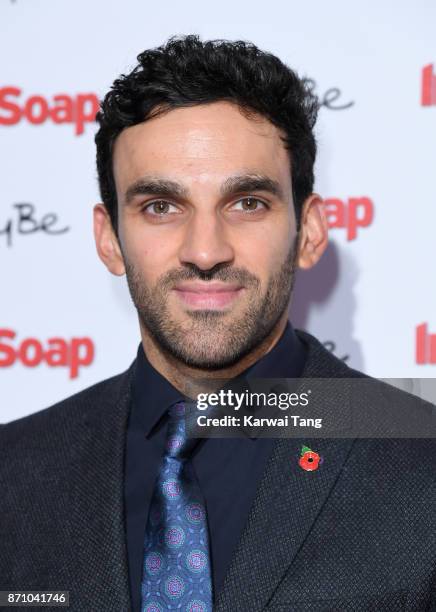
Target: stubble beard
212,339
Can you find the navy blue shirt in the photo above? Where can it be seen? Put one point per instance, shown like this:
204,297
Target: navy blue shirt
228,469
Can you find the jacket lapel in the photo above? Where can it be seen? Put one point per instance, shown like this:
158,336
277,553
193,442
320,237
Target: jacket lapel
99,565
288,500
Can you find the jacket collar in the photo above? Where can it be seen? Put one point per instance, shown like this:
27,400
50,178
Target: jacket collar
100,568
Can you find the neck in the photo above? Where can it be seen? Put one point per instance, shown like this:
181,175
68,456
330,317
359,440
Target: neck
189,380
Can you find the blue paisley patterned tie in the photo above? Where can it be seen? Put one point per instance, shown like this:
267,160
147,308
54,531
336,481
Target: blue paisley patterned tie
176,571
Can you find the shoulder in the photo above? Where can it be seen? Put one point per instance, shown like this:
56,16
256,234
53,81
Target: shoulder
322,363
64,416
378,405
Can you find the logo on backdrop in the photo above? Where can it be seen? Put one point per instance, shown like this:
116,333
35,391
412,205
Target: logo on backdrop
56,352
331,346
352,214
78,110
428,88
25,220
330,99
81,108
425,345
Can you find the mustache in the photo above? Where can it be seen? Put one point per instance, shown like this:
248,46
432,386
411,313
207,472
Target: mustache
220,272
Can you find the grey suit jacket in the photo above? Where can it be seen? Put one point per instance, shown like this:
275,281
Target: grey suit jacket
357,534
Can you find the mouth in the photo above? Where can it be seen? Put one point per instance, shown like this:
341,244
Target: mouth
209,296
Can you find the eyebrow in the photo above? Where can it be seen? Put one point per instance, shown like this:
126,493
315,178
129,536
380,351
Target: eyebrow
155,186
243,183
251,182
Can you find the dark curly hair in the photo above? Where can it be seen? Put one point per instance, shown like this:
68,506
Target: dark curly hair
187,71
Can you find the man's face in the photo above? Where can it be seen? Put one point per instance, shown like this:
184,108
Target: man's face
207,230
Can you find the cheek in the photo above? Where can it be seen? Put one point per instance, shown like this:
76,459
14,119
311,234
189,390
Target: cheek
265,254
154,259
147,252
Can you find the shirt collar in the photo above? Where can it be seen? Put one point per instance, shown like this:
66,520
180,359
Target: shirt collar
153,394
285,360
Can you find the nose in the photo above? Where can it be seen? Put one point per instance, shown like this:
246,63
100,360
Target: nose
206,242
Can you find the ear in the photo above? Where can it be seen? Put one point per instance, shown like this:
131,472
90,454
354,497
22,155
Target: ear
313,232
107,244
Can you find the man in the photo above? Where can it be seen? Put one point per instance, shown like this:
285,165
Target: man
205,158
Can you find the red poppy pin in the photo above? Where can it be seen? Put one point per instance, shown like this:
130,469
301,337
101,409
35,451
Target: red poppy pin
309,460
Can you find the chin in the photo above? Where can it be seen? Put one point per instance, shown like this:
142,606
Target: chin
210,362
211,351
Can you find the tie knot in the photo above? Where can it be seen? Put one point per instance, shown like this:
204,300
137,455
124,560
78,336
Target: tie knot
178,445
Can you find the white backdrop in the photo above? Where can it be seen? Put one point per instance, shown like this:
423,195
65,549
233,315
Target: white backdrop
372,297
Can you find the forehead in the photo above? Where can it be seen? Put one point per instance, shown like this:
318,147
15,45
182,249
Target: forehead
205,142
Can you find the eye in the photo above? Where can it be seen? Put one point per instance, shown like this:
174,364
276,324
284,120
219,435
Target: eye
249,205
160,208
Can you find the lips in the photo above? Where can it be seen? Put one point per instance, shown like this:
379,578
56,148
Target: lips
210,296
